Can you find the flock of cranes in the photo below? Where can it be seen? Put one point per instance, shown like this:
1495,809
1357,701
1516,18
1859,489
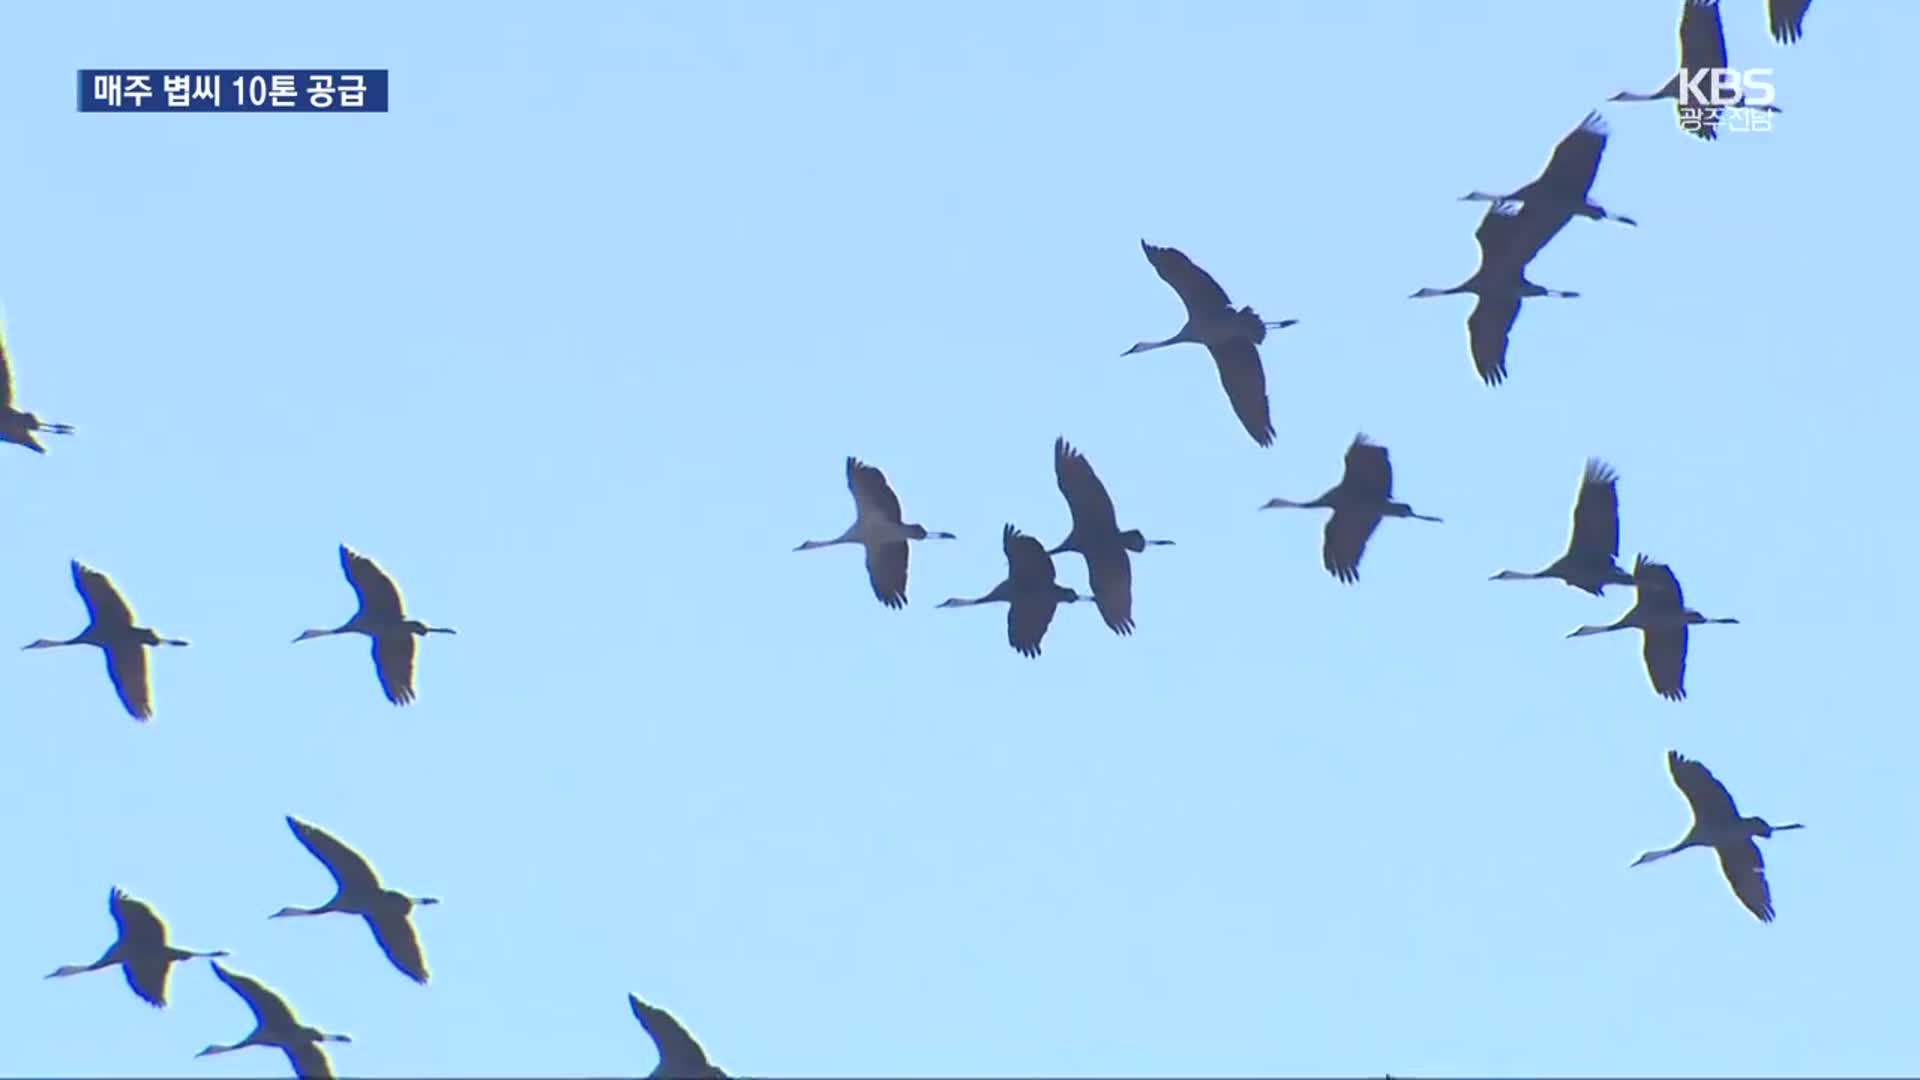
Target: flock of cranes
1514,230
1516,227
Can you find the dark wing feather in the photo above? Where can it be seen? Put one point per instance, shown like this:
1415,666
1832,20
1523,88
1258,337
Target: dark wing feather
1028,563
1576,160
1369,470
1665,651
1747,872
1703,44
140,928
1110,574
105,606
127,670
147,977
1346,541
1784,18
1245,382
680,1053
1596,513
1711,802
269,1011
6,373
351,871
1028,617
1510,237
379,596
1087,498
309,1060
1202,295
393,931
1656,586
870,488
887,572
1487,329
393,662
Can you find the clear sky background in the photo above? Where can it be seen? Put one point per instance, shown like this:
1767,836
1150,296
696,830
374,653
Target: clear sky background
574,342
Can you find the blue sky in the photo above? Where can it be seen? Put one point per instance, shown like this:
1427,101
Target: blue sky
574,342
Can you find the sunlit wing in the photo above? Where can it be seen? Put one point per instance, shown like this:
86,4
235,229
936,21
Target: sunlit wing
379,596
127,670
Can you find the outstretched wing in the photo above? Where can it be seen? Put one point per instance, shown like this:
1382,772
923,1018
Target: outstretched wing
887,572
1369,471
352,873
1245,382
269,1011
1747,872
1703,44
309,1060
1665,651
1487,329
393,662
139,927
1712,804
680,1053
6,372
1784,18
127,670
871,492
1110,575
1576,160
1346,541
1087,498
1596,514
1027,560
105,606
393,931
1655,586
1202,295
379,596
1028,617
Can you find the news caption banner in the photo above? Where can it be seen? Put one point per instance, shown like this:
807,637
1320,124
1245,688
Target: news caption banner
203,90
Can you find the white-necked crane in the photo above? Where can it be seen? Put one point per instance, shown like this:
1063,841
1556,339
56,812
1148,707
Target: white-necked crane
1097,537
1029,591
1233,337
1717,824
1363,496
877,528
1590,562
382,617
141,950
1703,48
1661,615
18,426
358,892
681,1056
1510,235
111,629
1567,181
1784,18
274,1024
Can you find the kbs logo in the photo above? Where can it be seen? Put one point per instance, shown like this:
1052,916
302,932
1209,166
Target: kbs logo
1727,99
1726,88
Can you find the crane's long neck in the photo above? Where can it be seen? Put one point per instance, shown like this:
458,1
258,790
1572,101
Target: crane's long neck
289,912
49,643
1653,856
1519,575
1149,346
